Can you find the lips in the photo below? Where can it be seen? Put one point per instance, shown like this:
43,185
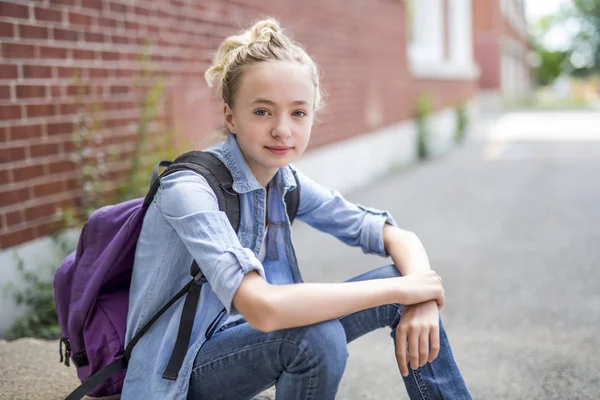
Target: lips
278,150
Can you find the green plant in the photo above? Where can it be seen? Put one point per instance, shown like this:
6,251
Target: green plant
462,122
92,160
423,110
38,295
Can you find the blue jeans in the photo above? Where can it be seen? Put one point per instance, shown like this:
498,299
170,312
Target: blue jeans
308,362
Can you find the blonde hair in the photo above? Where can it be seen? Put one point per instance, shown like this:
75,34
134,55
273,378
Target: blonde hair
265,41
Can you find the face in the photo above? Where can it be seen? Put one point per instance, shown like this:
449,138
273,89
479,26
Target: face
272,116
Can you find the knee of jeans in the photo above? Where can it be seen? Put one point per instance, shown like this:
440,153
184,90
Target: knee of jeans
325,343
389,271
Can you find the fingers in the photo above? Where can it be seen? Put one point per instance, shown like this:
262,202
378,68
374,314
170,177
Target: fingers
434,339
413,349
423,348
401,351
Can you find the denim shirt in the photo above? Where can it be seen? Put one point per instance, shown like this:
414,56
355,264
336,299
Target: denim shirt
183,223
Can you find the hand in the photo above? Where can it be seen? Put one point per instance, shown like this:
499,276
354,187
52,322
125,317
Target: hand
419,287
419,328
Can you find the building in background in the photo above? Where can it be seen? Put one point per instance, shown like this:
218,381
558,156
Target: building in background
502,49
377,57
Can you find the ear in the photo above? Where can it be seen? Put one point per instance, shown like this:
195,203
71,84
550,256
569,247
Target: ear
229,118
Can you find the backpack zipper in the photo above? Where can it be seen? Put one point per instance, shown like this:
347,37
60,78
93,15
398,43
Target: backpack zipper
67,354
214,324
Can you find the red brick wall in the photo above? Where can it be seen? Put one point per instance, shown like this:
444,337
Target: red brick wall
490,28
360,46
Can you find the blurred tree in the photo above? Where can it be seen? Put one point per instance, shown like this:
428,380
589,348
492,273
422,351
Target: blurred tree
585,48
579,22
550,66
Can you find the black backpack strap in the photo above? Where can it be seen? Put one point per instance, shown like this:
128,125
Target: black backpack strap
121,363
292,199
221,182
114,367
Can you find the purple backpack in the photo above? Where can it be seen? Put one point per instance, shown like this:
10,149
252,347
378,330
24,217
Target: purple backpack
91,285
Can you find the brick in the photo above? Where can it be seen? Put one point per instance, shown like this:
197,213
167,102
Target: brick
47,15
36,71
17,50
83,54
59,128
21,174
42,150
25,132
5,92
47,228
68,72
64,2
132,25
67,109
40,110
30,91
65,34
141,11
13,218
75,90
53,52
9,71
118,8
14,196
40,211
7,29
98,73
79,19
116,90
94,37
33,32
71,184
4,177
10,112
47,189
56,91
122,39
61,166
93,4
13,238
3,134
14,10
125,73
110,56
12,154
107,22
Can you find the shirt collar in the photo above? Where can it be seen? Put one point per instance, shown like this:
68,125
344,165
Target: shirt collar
243,179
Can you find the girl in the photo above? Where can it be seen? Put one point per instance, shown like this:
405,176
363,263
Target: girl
276,330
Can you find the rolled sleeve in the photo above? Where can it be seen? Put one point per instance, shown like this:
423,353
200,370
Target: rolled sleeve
190,206
353,224
372,232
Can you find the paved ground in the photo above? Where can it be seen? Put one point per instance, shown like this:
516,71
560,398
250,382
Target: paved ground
510,220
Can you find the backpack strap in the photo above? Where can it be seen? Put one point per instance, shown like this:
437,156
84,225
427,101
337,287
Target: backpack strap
292,199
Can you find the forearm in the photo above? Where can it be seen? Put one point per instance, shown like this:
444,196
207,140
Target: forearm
405,249
273,307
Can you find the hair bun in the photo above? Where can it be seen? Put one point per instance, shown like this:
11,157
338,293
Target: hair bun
264,31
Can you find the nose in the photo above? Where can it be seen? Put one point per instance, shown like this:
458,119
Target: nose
282,129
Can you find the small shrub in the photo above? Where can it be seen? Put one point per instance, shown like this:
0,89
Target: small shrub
423,111
462,122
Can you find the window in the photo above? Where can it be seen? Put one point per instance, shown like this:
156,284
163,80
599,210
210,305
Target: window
426,22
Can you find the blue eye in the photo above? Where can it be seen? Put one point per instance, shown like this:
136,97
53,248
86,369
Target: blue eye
299,113
261,113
